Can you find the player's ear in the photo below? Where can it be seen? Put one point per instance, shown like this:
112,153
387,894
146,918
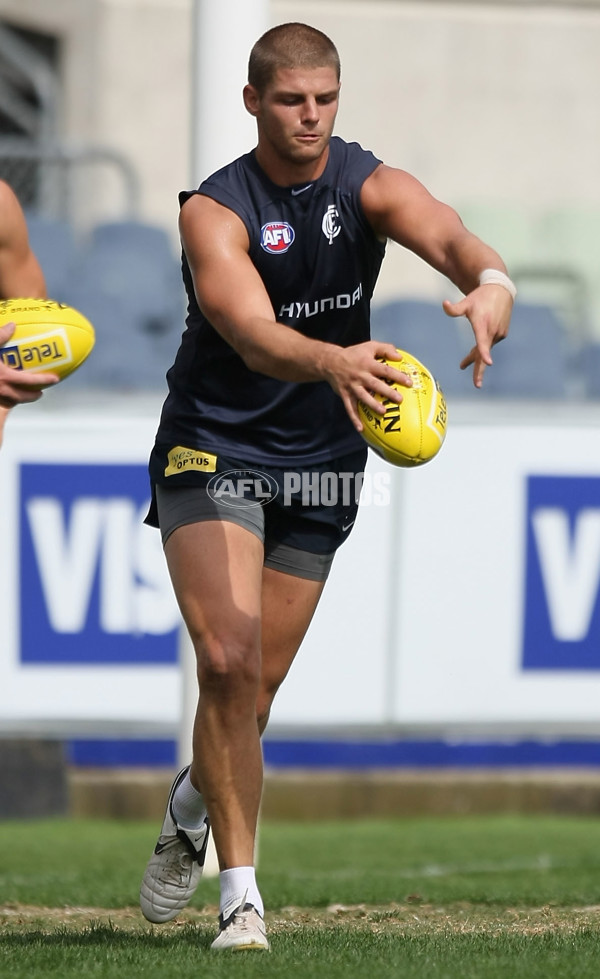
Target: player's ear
251,99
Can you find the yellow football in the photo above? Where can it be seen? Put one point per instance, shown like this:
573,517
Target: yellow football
413,432
48,337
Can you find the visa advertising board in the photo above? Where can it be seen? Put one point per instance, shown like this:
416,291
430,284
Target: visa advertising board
92,571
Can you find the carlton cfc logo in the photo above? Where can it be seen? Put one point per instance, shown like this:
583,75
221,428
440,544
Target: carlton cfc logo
276,237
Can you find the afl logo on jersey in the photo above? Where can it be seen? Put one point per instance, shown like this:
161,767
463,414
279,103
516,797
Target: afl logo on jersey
276,237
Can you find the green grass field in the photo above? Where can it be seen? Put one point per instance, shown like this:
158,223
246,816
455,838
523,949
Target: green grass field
442,898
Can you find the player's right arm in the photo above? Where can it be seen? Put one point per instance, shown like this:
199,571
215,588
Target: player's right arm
232,296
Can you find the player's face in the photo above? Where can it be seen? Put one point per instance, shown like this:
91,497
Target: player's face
295,116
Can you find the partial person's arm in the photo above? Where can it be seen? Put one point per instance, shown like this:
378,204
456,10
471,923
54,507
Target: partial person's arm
232,296
20,277
399,207
20,272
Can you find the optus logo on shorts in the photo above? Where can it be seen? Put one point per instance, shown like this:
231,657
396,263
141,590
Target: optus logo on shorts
276,237
242,488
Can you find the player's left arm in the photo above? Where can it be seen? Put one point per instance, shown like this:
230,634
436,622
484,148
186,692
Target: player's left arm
399,207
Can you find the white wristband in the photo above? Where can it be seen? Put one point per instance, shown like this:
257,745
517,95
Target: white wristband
494,277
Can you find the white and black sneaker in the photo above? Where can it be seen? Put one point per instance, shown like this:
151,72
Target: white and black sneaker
175,867
241,927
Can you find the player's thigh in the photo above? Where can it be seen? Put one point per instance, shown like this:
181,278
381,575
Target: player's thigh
216,570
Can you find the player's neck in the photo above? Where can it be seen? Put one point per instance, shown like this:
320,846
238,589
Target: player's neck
287,173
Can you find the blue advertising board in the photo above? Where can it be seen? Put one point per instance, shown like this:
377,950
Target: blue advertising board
93,587
561,629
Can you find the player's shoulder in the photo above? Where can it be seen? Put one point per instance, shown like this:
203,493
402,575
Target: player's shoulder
205,220
236,187
350,162
389,185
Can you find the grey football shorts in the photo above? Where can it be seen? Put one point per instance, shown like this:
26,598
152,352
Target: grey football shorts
300,531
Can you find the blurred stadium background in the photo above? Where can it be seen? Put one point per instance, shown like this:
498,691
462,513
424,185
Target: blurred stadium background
107,109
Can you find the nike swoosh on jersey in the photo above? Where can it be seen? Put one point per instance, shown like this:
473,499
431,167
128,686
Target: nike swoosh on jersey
301,190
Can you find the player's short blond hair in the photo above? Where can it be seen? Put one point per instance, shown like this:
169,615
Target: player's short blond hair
290,46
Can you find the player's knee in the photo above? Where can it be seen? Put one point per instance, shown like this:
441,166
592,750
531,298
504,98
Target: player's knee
229,663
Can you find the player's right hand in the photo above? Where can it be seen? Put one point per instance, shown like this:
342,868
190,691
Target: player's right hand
359,372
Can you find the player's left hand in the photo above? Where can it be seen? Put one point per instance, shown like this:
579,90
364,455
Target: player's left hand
488,309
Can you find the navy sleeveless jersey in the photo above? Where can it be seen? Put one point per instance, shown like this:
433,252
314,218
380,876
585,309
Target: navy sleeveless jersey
319,260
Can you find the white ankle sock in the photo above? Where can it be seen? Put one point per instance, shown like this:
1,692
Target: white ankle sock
237,882
188,805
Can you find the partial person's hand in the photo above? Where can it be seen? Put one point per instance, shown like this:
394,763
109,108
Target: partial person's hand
16,386
358,373
488,309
